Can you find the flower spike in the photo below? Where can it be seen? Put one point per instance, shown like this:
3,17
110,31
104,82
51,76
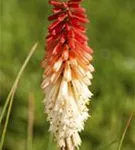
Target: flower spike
67,74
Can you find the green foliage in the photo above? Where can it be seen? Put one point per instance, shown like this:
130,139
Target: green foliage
112,36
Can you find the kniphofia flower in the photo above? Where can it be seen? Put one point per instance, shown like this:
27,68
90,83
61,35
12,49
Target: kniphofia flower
67,74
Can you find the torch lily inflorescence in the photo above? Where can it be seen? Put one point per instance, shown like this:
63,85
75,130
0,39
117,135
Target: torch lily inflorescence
67,72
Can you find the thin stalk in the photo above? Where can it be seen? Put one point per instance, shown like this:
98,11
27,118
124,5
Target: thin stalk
125,130
6,122
30,121
17,79
11,94
7,102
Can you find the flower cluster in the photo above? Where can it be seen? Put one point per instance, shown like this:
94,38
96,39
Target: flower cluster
67,74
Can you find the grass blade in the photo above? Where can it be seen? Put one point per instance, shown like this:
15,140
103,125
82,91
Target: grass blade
16,80
11,94
125,130
6,122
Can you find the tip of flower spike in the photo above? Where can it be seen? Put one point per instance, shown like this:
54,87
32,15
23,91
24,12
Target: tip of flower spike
55,2
75,0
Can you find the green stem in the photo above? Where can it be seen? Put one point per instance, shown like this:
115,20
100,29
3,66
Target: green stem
16,80
11,94
125,130
7,102
6,122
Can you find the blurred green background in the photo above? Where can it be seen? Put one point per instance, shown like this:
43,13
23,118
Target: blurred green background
112,36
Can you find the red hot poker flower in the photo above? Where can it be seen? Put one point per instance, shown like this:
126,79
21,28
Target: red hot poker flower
67,72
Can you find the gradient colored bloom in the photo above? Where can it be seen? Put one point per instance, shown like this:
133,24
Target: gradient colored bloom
67,72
